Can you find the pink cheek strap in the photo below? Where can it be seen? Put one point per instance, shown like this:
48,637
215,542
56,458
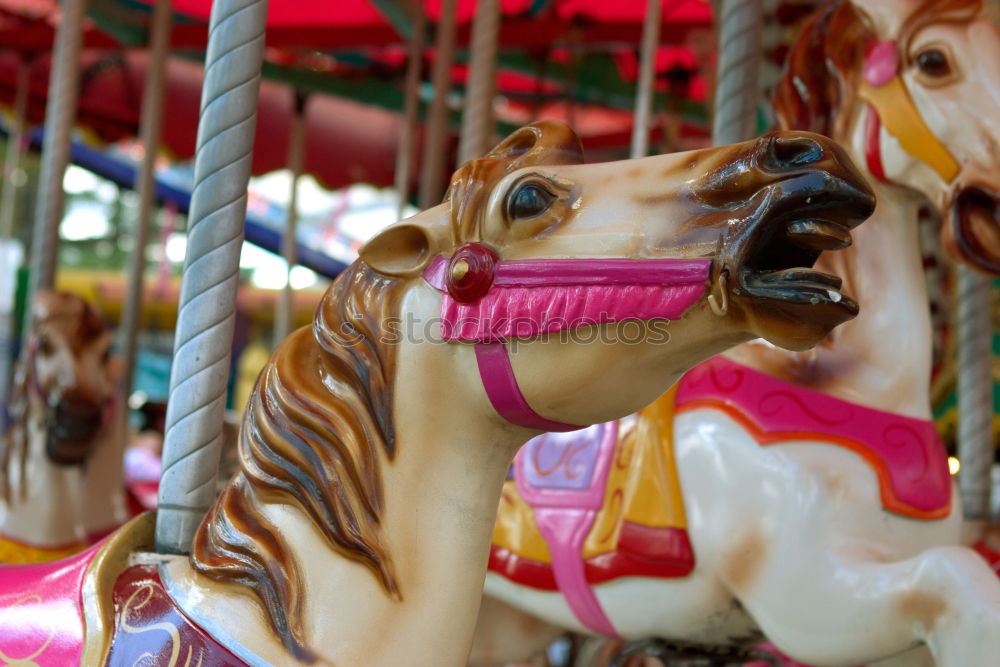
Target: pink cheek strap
528,298
501,387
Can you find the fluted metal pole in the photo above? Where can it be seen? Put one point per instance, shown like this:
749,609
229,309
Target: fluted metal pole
150,130
477,119
284,312
15,138
975,392
10,250
647,78
60,113
435,143
205,322
411,106
737,87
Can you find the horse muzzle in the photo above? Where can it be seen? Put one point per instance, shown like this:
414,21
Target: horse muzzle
73,427
799,195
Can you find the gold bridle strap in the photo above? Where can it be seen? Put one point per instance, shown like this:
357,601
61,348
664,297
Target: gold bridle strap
898,113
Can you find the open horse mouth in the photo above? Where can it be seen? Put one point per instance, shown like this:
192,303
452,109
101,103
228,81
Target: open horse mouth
975,226
800,217
72,431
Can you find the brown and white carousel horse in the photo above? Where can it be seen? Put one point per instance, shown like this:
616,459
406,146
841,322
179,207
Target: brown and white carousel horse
543,294
803,496
61,457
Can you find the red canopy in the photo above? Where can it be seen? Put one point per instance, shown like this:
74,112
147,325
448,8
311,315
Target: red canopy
323,24
347,142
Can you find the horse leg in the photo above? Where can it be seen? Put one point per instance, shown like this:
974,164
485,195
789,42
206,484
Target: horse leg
828,608
505,635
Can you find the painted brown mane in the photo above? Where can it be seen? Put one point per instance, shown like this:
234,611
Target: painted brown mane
812,97
321,450
315,448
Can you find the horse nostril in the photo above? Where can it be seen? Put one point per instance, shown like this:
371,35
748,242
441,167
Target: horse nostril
789,152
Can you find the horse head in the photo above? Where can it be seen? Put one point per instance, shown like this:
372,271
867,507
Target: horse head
913,87
69,374
532,243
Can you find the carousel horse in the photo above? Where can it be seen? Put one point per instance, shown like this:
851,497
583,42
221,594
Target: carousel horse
61,457
543,294
804,497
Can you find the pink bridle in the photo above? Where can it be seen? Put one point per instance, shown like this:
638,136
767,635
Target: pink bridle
487,301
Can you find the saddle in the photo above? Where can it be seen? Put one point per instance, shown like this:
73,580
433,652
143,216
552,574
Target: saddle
611,490
589,506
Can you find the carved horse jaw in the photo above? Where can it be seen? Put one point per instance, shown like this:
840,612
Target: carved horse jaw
934,87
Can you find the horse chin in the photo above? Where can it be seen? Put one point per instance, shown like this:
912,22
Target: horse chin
72,432
801,322
67,452
972,232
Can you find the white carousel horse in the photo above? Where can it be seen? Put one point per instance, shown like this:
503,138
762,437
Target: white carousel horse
61,467
376,442
801,496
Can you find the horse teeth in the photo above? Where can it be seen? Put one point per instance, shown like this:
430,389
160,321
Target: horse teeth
819,234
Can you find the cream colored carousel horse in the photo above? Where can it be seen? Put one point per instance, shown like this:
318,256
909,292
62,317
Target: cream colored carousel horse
61,466
801,496
542,294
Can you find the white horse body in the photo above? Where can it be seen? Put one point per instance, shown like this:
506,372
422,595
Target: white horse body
792,540
785,532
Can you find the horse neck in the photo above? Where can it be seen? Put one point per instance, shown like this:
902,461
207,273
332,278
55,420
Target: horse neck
44,507
102,500
441,492
882,358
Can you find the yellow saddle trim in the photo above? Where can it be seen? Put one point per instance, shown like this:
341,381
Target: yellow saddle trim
643,488
99,581
14,552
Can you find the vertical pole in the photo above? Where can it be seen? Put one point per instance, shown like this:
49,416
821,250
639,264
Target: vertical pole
411,105
736,87
435,143
150,130
206,316
283,315
647,74
477,120
10,250
975,392
60,113
14,140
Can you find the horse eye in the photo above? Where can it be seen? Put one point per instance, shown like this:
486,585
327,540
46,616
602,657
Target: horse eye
933,62
528,201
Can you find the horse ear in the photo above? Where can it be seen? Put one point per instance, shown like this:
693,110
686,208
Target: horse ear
546,142
403,249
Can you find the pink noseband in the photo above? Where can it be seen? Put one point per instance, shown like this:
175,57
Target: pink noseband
486,301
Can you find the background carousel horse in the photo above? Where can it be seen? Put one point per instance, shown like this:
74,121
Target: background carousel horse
376,442
804,496
61,466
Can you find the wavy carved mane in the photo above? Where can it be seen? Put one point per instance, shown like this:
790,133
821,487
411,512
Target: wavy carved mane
320,449
824,65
